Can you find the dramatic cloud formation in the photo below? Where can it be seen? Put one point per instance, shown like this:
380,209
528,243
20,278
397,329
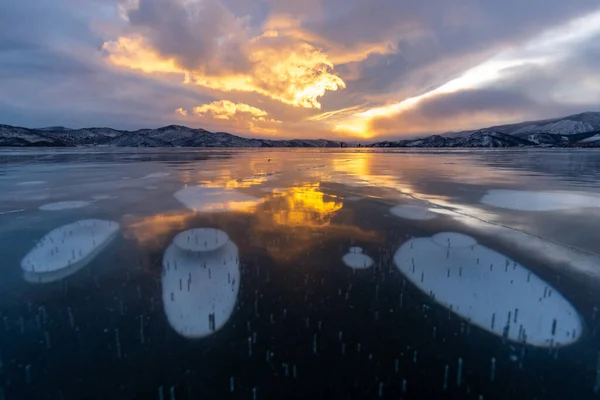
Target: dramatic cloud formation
297,68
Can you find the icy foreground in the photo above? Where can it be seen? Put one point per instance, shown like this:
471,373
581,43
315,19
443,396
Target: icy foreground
489,290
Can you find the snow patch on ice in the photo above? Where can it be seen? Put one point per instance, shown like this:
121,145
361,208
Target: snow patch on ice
489,290
524,200
200,289
206,199
69,247
413,212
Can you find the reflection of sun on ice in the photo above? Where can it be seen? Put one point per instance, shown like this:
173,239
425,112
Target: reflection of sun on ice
305,205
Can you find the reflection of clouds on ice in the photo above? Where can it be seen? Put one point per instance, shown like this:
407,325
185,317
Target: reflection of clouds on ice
206,199
200,289
67,249
539,201
157,175
413,212
488,289
356,259
201,239
31,183
64,205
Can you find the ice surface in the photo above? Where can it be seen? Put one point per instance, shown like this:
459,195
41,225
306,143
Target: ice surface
207,199
64,205
201,239
488,289
69,247
413,212
196,286
525,200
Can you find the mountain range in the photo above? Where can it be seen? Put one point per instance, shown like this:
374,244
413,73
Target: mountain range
580,130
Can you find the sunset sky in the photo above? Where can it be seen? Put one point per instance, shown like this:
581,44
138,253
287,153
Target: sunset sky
361,69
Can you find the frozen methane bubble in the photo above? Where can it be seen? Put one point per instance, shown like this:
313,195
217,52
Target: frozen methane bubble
524,200
413,212
200,289
489,290
452,239
64,205
201,239
67,249
355,259
205,199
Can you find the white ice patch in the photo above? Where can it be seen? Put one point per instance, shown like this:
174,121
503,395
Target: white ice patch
69,247
355,259
99,197
413,212
200,289
31,183
64,205
201,239
488,289
205,199
12,211
157,175
539,201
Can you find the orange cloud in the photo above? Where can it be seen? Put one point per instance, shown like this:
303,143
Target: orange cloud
241,115
290,71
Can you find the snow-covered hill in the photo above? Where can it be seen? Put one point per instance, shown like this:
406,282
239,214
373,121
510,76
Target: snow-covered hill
580,130
168,136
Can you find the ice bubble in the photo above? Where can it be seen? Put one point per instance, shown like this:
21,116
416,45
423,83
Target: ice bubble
64,205
524,200
201,239
206,199
355,259
67,249
489,290
200,289
413,212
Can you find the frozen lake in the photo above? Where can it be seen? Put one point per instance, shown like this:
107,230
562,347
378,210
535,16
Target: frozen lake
335,274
